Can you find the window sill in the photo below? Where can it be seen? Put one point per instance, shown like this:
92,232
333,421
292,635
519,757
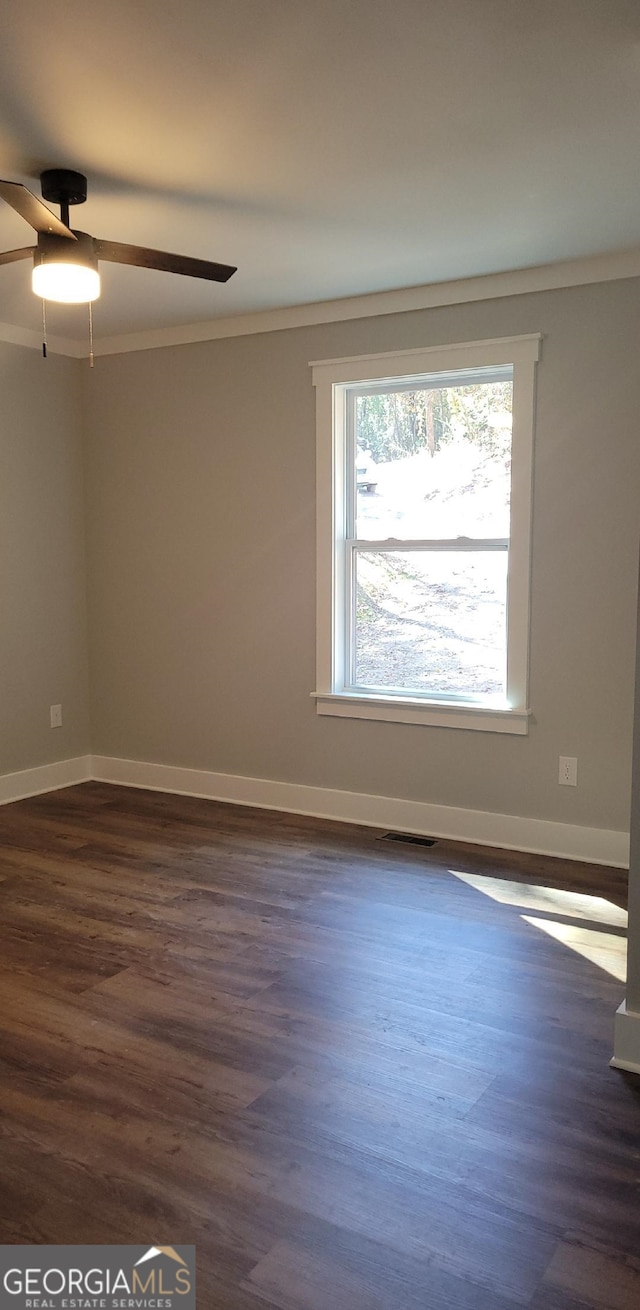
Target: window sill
391,709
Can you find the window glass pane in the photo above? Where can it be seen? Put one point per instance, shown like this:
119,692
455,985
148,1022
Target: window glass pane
434,463
431,621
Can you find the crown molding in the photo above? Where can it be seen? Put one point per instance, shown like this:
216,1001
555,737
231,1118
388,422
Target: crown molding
17,336
490,286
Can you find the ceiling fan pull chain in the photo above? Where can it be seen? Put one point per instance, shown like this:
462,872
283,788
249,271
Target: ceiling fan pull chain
90,336
44,330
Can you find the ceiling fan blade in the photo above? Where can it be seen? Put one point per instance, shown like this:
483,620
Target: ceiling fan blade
117,253
28,206
10,256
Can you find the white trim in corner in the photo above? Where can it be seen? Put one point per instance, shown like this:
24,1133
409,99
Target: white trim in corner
488,286
626,1045
568,841
46,777
17,336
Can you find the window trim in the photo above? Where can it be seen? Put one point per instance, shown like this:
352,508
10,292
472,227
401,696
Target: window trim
331,378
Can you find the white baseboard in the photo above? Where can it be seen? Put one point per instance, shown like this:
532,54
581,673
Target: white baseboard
626,1043
539,836
46,777
482,828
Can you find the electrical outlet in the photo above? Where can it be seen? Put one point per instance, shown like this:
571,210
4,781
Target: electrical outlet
55,716
568,771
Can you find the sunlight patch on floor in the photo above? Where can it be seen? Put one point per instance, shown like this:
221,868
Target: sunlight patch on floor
607,950
553,900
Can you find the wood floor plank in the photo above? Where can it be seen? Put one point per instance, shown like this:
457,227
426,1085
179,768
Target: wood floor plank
412,1130
295,1275
352,1073
598,1278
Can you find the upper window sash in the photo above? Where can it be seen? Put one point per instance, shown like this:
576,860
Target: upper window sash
434,381
389,386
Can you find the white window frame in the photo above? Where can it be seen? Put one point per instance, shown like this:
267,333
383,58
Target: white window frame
332,379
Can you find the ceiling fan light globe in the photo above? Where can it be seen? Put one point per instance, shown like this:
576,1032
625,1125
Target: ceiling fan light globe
66,283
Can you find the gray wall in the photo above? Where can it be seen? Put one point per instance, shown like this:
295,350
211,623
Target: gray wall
43,615
200,476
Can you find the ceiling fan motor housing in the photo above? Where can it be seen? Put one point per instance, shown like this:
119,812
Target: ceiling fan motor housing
51,249
62,186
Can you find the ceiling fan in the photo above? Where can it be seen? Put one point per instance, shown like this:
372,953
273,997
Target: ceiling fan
65,261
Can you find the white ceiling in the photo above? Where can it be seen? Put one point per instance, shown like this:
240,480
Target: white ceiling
326,147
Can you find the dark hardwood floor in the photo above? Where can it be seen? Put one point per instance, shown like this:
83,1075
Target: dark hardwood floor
354,1078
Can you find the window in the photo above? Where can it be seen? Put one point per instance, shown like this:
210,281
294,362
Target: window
424,514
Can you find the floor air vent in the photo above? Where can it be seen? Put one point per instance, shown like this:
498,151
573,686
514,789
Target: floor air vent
408,839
